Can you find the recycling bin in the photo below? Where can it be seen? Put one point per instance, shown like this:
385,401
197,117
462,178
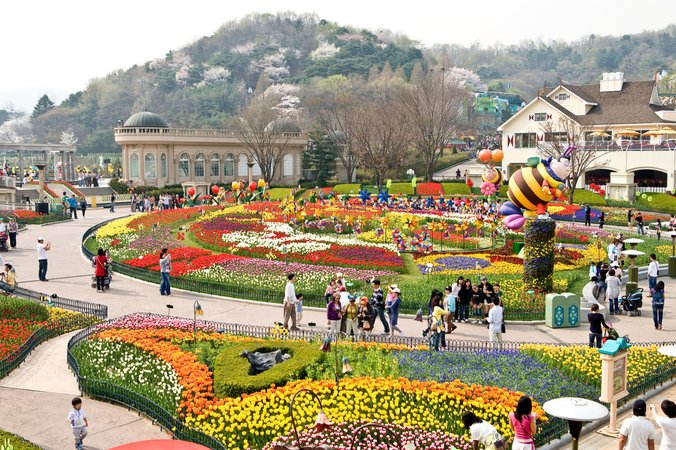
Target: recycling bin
562,310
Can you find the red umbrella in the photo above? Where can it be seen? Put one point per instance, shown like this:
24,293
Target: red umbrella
161,444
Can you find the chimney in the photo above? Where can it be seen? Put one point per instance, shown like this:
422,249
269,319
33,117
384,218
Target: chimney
612,82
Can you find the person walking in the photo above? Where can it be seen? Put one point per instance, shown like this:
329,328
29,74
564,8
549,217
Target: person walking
653,273
378,304
658,304
42,249
393,310
112,203
613,288
495,320
333,314
637,433
100,263
482,433
165,270
78,422
364,315
350,313
290,302
658,230
72,205
666,423
639,223
587,216
64,203
523,423
630,216
602,220
12,230
83,206
465,297
596,320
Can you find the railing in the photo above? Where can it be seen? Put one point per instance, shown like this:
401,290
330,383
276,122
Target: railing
6,181
89,309
643,189
121,395
190,132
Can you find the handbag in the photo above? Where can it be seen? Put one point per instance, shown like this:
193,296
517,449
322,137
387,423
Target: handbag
367,325
502,328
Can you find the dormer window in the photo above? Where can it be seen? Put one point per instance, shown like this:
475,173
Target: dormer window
540,117
562,96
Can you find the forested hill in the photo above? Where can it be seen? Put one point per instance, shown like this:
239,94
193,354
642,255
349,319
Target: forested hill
205,83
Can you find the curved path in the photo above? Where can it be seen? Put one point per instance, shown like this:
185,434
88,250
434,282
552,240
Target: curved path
46,381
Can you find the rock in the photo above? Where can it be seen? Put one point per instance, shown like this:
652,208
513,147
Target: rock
260,362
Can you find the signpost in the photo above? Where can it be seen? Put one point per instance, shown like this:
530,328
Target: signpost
613,385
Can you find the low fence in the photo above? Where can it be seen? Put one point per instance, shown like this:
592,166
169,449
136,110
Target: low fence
89,309
117,394
266,295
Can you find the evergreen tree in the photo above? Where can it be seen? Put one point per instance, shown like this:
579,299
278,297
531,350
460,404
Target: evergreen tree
320,156
43,105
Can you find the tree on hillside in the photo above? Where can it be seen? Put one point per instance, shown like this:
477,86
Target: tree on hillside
264,130
320,155
433,106
565,132
43,105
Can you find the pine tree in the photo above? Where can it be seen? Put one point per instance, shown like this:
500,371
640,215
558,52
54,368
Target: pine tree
43,105
320,156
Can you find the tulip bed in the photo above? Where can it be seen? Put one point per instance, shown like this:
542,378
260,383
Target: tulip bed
421,393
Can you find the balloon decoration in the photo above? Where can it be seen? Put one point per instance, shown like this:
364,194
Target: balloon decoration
484,156
414,182
533,187
388,183
488,188
491,174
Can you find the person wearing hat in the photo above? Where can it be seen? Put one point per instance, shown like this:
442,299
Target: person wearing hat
637,433
42,249
364,315
349,312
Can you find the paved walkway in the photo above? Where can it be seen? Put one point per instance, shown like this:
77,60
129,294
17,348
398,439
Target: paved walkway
69,273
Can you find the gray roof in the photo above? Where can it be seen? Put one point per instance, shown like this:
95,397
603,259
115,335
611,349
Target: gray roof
145,119
630,105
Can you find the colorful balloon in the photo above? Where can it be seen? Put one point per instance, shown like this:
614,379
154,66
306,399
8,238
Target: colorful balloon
484,155
497,155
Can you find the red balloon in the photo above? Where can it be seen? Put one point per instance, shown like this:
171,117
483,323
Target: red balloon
191,191
215,189
252,186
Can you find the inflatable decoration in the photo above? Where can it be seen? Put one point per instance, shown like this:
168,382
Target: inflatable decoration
533,187
364,195
470,183
388,183
488,189
491,173
414,182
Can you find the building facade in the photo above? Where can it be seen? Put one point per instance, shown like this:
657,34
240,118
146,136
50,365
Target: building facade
155,154
623,122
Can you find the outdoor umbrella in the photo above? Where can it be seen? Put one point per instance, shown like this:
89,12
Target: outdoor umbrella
627,132
600,133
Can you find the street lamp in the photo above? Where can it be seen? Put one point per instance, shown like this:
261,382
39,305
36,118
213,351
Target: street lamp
576,411
197,311
632,283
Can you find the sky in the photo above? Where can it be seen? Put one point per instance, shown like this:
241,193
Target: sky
57,47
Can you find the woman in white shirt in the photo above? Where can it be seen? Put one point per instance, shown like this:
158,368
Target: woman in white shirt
482,432
666,423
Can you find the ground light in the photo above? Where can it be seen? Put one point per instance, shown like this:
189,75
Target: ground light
576,411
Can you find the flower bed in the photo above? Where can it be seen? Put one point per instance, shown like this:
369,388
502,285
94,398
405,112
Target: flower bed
419,392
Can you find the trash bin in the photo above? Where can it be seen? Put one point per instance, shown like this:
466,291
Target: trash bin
42,208
562,310
672,267
516,247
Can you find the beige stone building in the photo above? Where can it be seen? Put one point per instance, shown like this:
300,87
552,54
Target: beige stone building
155,154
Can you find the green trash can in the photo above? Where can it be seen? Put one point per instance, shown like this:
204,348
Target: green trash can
516,247
672,267
562,310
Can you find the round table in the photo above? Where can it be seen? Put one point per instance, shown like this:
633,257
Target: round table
576,411
668,350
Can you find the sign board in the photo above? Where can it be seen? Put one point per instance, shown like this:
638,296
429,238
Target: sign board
614,377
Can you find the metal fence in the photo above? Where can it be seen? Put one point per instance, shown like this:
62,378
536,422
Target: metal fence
266,295
90,309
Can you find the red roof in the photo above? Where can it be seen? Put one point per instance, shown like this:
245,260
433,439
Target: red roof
161,444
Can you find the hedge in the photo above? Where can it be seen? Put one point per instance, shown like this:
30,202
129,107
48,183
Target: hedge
456,189
232,372
278,193
402,188
341,189
588,198
16,442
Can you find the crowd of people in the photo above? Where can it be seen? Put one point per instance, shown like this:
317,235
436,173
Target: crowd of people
140,202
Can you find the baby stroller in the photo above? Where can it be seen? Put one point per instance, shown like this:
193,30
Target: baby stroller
633,302
106,280
609,334
3,242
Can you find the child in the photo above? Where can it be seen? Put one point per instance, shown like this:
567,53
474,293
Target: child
477,304
78,422
299,307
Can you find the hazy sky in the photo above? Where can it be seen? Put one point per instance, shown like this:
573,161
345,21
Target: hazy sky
56,47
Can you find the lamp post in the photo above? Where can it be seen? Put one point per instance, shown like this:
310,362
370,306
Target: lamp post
632,284
249,170
197,311
576,411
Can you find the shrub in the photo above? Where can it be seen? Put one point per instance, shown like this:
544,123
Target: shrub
588,197
278,193
15,308
118,186
401,188
452,189
233,374
352,188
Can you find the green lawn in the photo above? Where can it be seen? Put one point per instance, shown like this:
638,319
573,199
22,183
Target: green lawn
456,189
583,196
341,189
15,442
278,193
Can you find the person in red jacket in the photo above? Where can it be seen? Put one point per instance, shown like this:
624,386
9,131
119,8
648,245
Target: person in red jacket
100,263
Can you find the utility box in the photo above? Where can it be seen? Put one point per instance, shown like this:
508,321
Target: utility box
562,310
672,267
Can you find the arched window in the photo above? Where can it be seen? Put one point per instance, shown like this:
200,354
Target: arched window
199,165
133,166
215,166
229,165
184,165
241,167
163,165
149,166
287,166
256,169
